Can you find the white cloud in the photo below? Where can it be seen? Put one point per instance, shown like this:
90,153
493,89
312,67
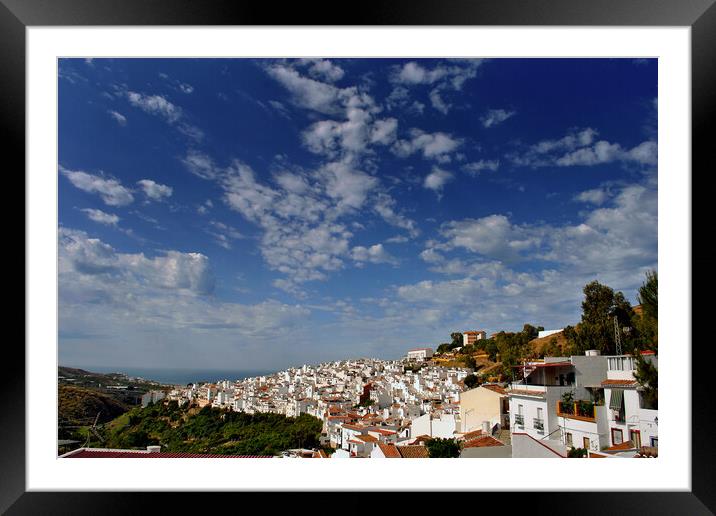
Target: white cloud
373,254
101,217
118,117
437,179
200,164
130,298
186,88
594,196
223,234
579,148
155,105
436,145
476,167
325,70
495,116
110,190
154,190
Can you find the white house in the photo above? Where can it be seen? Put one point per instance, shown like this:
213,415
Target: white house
419,354
630,418
534,398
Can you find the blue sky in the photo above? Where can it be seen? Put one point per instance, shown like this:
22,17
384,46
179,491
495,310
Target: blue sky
252,214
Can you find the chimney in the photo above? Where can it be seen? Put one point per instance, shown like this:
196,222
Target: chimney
592,353
154,449
486,427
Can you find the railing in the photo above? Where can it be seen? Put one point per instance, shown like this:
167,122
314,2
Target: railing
519,420
538,424
582,410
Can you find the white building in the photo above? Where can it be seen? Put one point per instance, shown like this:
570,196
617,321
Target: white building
630,418
535,398
547,333
470,337
419,354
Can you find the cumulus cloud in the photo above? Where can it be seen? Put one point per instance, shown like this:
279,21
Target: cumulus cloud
110,190
436,146
125,298
437,179
494,117
594,196
448,76
373,254
325,70
154,190
101,217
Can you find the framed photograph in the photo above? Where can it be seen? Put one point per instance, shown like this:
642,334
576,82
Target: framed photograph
420,232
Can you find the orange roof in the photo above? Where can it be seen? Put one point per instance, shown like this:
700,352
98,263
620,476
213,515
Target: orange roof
495,388
367,438
483,442
626,445
620,383
472,435
413,452
390,451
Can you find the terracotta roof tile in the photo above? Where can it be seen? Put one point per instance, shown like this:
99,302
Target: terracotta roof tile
413,452
390,451
620,383
483,442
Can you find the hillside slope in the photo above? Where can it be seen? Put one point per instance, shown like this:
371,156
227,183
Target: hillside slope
80,406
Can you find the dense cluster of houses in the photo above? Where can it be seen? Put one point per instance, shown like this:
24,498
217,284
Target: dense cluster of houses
389,409
376,408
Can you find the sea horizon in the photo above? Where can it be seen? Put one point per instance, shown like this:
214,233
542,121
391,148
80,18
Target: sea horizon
179,376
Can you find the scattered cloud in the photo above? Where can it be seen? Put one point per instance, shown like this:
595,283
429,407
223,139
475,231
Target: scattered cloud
101,217
437,179
154,190
118,117
109,189
494,117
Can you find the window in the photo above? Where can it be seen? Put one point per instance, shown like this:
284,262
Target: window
539,413
586,443
568,439
655,442
617,436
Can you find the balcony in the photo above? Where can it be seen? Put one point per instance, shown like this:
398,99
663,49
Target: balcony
519,420
538,424
580,410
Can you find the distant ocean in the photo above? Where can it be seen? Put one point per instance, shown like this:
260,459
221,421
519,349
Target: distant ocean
181,376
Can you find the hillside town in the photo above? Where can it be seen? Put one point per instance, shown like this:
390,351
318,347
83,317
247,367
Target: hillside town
555,407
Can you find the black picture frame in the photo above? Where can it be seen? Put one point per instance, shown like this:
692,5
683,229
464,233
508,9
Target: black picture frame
699,15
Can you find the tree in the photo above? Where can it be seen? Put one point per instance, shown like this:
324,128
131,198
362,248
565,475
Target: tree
648,377
649,295
647,324
438,447
471,381
596,329
469,362
456,340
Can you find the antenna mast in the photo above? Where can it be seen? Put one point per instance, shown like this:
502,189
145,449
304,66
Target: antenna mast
617,337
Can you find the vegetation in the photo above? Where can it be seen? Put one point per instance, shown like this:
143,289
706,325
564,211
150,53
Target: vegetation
78,407
596,329
648,377
471,381
577,453
212,430
446,448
